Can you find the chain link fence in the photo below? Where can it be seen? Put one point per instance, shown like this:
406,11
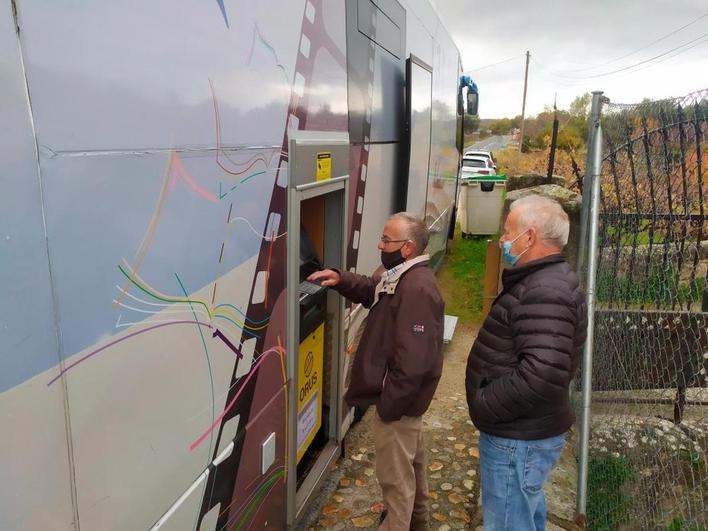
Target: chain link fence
648,466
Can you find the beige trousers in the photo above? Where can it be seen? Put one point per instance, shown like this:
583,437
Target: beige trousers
401,471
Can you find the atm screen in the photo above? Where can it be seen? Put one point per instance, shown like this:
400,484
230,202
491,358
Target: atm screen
309,261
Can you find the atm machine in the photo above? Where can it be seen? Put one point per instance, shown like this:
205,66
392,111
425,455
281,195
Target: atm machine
318,166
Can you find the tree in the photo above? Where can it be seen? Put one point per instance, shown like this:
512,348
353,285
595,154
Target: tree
471,123
568,139
580,106
526,144
501,126
577,125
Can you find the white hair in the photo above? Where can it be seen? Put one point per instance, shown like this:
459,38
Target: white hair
416,231
546,216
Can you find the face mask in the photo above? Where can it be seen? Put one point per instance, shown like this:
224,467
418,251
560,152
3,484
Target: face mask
506,251
393,258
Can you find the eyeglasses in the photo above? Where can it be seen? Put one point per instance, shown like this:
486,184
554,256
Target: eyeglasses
386,241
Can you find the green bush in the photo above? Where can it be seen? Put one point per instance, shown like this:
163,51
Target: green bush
608,505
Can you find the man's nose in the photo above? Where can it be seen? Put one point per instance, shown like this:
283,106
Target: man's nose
380,246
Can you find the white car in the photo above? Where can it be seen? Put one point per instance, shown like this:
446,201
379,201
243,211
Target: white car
481,153
475,166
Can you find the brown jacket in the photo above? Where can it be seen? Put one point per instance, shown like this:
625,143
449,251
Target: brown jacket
399,360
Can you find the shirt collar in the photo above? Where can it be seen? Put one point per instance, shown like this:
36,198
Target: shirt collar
390,277
393,274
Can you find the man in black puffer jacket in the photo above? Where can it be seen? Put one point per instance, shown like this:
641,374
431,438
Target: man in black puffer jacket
521,365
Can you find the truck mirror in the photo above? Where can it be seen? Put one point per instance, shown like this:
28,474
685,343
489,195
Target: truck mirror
472,102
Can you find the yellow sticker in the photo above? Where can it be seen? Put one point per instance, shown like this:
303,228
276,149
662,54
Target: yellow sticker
309,394
324,166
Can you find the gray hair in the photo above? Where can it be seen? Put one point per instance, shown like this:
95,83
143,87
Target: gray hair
546,216
416,231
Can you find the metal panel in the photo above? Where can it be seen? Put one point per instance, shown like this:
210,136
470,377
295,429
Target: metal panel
35,480
375,76
428,40
304,148
419,87
379,203
335,238
421,30
127,131
96,89
378,27
28,341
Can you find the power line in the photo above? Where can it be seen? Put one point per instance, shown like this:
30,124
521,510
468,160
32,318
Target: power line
550,73
671,56
592,76
579,82
674,32
495,64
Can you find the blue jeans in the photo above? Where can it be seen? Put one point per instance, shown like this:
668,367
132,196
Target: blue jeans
513,473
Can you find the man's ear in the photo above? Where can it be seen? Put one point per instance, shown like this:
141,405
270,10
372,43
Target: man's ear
533,236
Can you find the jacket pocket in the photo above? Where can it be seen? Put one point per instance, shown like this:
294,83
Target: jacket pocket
541,457
367,375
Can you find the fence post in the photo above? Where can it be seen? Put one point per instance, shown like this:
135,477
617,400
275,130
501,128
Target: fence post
588,245
587,184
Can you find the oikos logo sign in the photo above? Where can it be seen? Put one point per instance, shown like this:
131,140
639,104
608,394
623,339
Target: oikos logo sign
309,362
310,377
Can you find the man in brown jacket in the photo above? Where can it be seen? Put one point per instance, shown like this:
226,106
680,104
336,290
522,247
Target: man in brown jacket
398,364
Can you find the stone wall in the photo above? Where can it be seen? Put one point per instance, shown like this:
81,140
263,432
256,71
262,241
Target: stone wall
620,259
517,182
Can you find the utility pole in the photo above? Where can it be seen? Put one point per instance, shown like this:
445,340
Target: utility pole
523,105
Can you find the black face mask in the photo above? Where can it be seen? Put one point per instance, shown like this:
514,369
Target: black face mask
393,258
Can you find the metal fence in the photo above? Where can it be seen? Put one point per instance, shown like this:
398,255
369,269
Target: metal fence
645,464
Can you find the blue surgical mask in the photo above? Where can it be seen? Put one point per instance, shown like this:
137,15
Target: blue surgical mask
511,259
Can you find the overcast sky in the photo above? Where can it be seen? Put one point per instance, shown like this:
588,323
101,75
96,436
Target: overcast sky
573,39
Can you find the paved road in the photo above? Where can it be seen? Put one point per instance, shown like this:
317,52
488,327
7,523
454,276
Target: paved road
492,143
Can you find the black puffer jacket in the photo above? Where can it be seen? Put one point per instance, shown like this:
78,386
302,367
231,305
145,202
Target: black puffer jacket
527,351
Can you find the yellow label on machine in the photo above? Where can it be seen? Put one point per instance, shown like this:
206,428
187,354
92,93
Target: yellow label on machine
324,166
309,389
